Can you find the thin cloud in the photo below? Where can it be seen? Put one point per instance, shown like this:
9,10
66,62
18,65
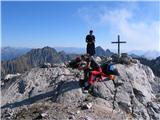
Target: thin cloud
138,33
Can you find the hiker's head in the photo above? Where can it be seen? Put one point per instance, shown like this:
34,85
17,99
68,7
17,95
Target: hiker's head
91,32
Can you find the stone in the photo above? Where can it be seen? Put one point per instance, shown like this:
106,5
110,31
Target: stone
88,118
71,117
115,58
44,114
78,112
86,106
10,76
124,55
98,59
46,65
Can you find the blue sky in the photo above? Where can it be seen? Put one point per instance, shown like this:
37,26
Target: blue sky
65,24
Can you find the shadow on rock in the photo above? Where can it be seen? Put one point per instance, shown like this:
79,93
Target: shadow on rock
62,87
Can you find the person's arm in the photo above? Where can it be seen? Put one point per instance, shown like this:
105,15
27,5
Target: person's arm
93,39
87,39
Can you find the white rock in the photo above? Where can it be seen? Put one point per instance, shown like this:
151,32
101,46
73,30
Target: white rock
10,76
87,106
88,118
98,59
78,112
44,114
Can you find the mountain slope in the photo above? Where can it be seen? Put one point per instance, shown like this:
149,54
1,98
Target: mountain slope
33,58
153,64
54,93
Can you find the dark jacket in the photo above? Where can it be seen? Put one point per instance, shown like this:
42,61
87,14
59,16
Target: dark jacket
90,39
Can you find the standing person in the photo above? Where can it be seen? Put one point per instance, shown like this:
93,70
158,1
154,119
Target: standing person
90,39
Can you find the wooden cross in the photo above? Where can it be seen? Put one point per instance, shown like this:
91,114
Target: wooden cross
118,42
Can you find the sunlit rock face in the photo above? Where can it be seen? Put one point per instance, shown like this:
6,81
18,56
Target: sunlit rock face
54,93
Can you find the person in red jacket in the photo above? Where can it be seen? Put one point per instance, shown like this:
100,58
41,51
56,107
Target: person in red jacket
98,72
93,71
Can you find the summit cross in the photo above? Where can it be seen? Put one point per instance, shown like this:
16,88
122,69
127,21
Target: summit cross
119,42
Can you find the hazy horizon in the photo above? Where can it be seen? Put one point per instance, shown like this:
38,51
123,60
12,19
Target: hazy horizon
82,48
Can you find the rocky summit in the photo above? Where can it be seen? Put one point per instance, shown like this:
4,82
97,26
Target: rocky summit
53,93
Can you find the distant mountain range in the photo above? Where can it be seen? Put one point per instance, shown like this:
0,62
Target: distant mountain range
101,52
33,58
37,57
9,53
152,54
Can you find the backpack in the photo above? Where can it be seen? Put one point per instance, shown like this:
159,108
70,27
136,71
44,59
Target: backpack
109,69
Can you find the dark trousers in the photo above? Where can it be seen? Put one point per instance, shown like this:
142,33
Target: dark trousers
91,49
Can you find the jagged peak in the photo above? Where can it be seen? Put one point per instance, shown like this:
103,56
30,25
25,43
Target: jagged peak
47,48
99,47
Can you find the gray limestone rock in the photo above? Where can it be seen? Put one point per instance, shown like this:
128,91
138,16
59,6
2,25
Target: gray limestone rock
54,93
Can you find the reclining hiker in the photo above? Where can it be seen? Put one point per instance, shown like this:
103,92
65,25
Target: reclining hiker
93,71
98,73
